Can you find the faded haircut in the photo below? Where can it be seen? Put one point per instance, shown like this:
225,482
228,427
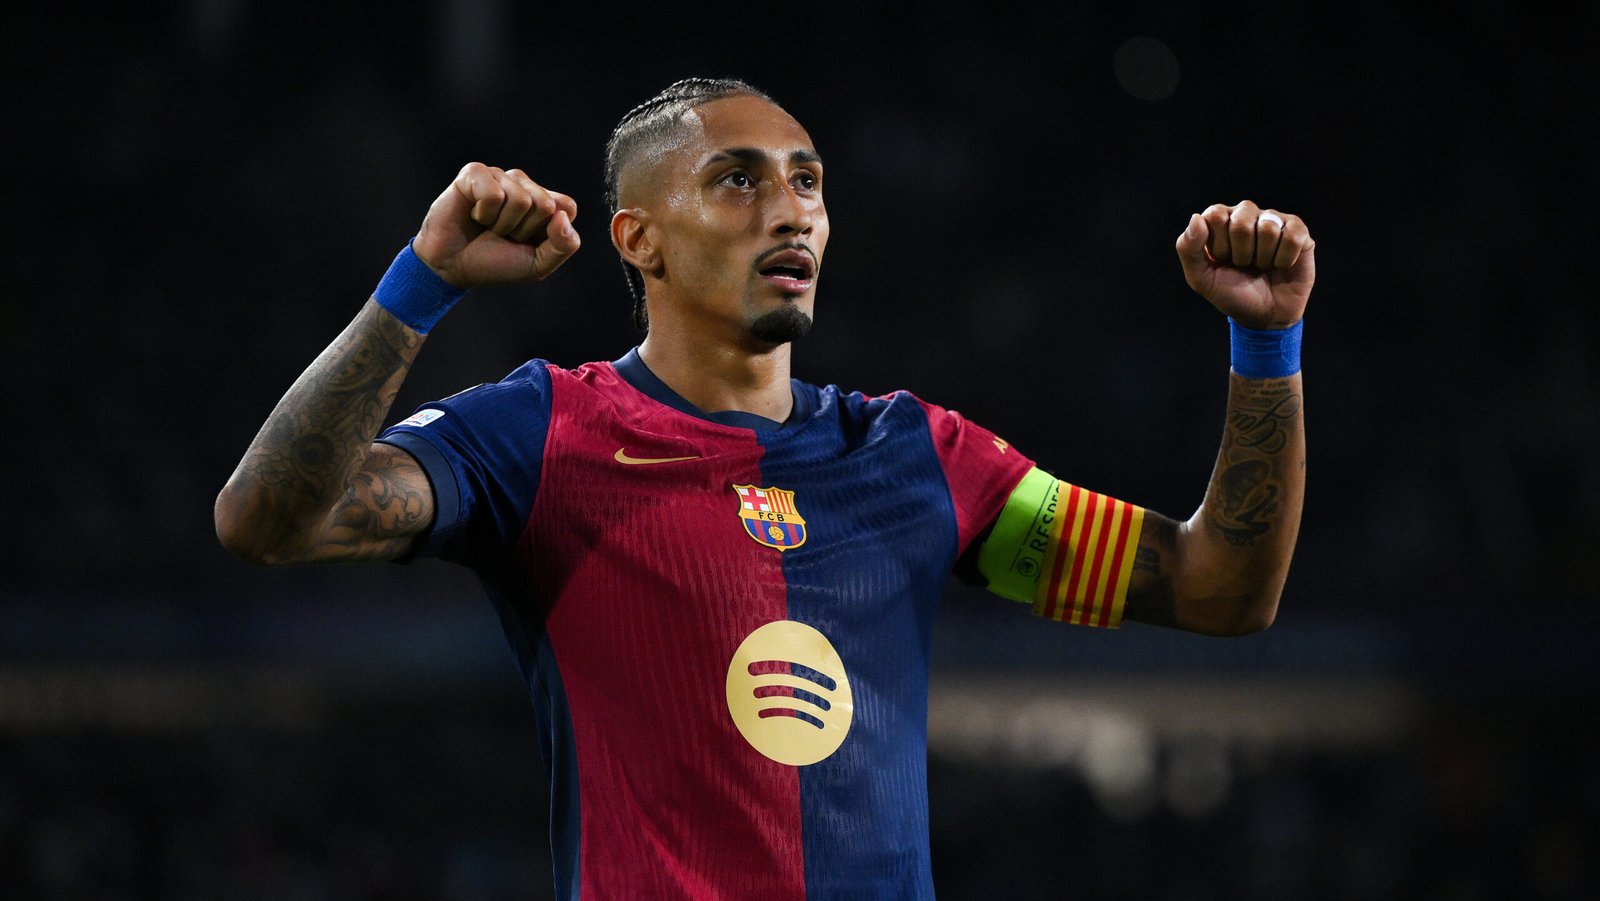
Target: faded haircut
646,126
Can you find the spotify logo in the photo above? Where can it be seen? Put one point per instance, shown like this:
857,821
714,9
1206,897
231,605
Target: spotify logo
788,693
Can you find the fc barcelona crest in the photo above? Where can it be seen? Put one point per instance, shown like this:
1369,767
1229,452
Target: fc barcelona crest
770,517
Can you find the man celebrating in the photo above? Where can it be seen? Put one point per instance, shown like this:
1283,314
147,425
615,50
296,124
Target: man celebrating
720,582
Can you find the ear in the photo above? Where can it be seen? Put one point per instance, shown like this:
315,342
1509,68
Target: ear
631,236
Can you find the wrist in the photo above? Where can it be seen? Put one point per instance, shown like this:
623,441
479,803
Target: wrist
414,294
1265,353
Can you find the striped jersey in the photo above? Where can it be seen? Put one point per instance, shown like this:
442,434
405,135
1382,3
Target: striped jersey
724,623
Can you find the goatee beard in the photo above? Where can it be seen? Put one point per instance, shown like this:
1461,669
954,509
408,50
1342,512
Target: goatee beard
785,324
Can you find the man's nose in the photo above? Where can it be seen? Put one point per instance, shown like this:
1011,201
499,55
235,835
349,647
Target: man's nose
792,213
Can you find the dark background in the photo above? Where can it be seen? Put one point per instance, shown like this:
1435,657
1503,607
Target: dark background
199,196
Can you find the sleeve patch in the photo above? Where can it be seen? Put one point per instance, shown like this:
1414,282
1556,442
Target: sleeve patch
421,417
1066,550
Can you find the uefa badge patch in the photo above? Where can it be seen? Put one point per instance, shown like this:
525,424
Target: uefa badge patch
770,517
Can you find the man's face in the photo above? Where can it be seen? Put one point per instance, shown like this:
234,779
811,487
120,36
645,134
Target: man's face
739,220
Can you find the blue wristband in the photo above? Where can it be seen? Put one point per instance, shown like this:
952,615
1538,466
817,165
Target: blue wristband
414,293
1265,353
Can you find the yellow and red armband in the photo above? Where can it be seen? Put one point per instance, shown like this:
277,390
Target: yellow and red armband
1066,550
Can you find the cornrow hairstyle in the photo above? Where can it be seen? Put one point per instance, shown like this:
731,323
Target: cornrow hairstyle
646,124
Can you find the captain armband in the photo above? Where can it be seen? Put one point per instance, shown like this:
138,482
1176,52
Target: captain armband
1067,551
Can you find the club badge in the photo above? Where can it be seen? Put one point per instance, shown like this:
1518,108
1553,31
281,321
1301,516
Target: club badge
770,517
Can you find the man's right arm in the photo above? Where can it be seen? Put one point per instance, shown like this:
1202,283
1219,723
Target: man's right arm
314,486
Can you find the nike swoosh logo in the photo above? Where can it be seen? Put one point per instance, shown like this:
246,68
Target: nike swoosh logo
621,456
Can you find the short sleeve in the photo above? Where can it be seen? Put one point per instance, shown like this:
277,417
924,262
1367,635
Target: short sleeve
981,468
482,450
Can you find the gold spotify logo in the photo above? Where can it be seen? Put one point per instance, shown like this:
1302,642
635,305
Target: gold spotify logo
788,693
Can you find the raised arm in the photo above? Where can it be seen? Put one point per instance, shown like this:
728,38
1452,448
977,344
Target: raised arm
313,485
1222,571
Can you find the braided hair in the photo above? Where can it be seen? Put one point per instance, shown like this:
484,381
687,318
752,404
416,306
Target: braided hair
646,124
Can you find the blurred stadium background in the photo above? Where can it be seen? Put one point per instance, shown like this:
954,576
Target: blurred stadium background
200,194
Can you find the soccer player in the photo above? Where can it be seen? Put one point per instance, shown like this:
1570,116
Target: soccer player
719,582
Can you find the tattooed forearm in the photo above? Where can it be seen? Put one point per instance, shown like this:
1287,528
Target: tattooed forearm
1247,498
302,483
320,431
1263,421
1263,429
1221,572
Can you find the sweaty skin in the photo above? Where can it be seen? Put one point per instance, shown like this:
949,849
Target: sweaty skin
742,186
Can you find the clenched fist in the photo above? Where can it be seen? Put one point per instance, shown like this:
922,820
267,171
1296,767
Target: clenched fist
1254,265
496,226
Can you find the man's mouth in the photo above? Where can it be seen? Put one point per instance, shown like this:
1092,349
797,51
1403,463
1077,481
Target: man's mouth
792,271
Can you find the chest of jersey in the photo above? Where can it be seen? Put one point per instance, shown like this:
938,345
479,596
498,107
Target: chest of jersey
678,498
741,623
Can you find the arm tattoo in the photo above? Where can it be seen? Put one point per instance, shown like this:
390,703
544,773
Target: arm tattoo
1150,597
313,455
388,504
1220,573
1147,559
1249,476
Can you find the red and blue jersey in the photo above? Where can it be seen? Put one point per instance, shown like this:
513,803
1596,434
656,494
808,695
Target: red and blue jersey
724,623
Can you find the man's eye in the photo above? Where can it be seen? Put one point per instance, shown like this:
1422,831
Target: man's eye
739,180
806,181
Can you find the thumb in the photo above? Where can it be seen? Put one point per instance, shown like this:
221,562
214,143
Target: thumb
1307,263
1191,244
561,242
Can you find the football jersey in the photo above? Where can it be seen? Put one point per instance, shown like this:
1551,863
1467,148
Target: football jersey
724,623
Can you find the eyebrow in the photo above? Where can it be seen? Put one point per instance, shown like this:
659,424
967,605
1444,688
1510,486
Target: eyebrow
751,155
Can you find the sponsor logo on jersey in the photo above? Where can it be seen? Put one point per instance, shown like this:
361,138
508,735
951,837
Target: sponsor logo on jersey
422,417
789,694
770,517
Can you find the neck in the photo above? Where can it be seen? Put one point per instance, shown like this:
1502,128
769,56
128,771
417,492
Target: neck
718,377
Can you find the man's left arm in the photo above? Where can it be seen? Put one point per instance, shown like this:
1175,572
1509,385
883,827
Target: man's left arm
1222,571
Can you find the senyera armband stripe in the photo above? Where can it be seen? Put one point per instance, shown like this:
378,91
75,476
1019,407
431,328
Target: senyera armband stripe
1066,550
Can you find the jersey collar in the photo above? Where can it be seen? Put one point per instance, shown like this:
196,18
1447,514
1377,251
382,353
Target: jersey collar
634,371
